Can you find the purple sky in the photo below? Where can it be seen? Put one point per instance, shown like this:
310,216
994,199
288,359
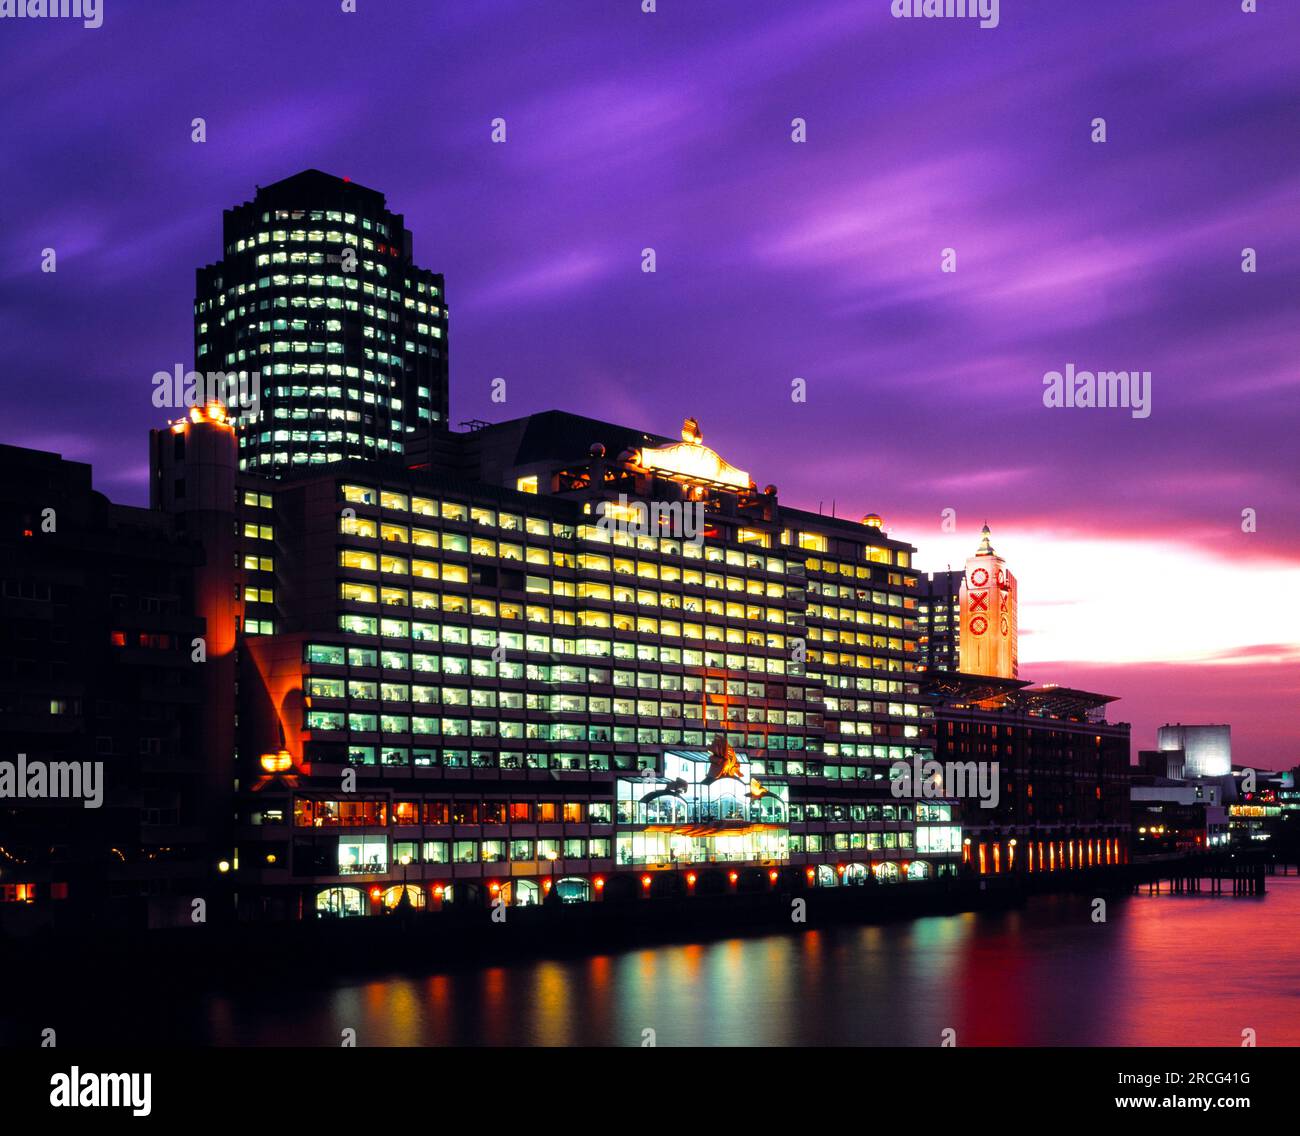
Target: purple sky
776,260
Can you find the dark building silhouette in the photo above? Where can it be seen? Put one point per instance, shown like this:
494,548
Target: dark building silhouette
97,622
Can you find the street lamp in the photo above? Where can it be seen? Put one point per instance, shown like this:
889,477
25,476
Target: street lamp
551,857
404,860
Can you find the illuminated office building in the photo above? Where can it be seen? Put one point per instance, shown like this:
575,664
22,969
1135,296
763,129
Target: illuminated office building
939,617
317,300
535,690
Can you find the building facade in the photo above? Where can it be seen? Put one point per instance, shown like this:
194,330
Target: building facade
318,306
528,664
97,640
1207,750
1063,776
939,616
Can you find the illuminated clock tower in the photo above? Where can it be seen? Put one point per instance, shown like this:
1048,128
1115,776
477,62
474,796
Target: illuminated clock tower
987,641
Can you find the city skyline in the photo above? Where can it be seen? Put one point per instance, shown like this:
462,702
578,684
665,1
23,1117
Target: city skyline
1078,271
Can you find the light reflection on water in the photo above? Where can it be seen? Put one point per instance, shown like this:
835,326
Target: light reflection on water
1166,970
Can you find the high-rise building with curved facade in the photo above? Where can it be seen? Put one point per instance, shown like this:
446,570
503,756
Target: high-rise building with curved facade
318,306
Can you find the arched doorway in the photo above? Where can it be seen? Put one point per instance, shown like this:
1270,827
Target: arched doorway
340,902
573,889
415,897
887,872
521,893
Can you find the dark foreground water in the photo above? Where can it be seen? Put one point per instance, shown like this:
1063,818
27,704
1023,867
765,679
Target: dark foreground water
1167,970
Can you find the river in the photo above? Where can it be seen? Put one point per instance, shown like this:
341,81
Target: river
1161,970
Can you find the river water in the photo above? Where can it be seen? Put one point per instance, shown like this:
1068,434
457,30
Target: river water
1161,970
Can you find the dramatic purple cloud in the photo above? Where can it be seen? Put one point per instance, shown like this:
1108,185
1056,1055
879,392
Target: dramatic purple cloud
776,260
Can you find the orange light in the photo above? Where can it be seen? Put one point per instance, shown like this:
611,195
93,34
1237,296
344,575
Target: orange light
840,868
812,873
375,892
439,891
277,762
211,411
772,875
494,888
645,881
690,879
600,883
733,877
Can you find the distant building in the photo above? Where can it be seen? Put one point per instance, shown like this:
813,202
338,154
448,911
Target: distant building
1173,814
939,616
1177,805
1268,813
1207,750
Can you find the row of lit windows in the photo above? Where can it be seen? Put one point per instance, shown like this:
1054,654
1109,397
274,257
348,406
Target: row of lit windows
389,499
373,690
689,550
542,557
232,316
845,841
861,618
376,813
323,392
900,557
474,852
299,457
369,657
379,812
860,595
860,639
335,721
645,652
428,757
393,596
451,510
855,615
536,613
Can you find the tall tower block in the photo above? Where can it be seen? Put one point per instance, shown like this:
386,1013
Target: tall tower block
987,642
